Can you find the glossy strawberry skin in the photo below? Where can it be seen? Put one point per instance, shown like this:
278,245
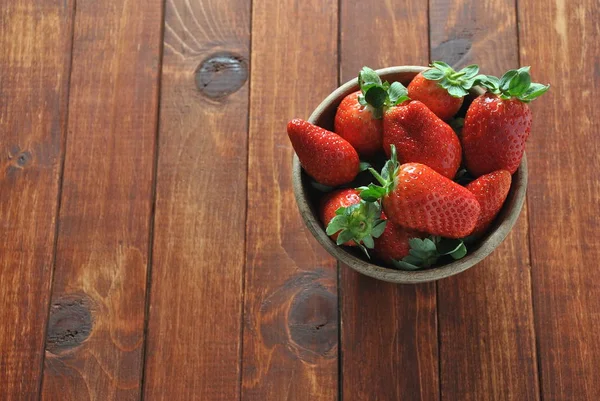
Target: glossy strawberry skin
356,124
494,134
393,243
427,201
421,137
324,155
491,191
436,98
335,200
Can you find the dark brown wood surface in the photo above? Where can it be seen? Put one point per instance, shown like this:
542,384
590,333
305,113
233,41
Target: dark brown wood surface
385,328
167,260
562,43
485,315
35,44
194,331
96,324
290,309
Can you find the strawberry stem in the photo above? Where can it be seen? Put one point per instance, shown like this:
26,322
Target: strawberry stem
378,177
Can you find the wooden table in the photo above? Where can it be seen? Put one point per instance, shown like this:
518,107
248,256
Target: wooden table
151,246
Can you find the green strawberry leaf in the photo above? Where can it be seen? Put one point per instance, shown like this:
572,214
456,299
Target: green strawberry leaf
457,91
417,244
535,90
397,94
402,265
363,166
489,82
362,101
448,246
433,74
460,252
520,83
429,245
470,71
376,96
372,193
368,242
378,229
336,224
445,68
367,76
506,78
344,236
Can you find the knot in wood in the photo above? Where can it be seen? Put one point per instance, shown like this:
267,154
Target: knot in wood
24,159
221,74
312,320
69,324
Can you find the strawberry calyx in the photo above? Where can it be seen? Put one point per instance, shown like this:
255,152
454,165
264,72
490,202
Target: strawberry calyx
387,179
513,84
425,253
457,83
376,94
358,223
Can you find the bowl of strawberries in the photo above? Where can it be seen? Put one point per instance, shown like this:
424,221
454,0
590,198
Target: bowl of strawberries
411,174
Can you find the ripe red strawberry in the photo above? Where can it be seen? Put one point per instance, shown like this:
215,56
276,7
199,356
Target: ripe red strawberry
335,200
351,221
499,122
491,191
325,156
356,123
415,196
442,89
393,244
421,137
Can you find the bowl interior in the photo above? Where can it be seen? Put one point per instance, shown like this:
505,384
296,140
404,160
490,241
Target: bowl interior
308,198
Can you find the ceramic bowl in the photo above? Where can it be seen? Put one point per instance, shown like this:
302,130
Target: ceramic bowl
307,199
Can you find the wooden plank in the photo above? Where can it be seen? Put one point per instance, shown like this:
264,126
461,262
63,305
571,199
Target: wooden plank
35,52
96,324
391,329
485,315
291,320
561,41
194,335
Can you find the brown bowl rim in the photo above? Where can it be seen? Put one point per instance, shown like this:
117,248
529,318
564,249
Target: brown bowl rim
504,223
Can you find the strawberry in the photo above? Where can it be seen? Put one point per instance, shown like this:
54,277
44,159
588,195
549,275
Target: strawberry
491,191
324,155
351,221
422,137
358,117
442,89
498,123
393,244
416,196
355,123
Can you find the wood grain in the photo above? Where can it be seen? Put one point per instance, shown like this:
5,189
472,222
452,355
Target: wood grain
95,339
389,332
194,332
485,314
291,319
561,41
35,52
